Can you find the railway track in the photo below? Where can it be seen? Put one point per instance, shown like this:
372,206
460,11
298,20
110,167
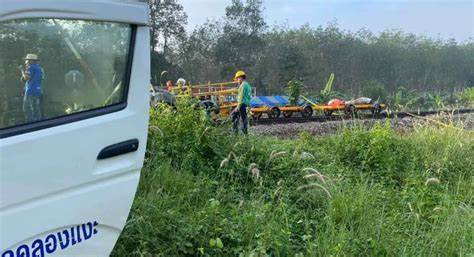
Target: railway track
360,116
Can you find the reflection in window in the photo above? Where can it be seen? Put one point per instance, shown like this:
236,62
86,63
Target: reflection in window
51,68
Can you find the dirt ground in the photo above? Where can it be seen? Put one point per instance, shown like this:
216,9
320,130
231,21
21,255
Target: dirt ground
404,125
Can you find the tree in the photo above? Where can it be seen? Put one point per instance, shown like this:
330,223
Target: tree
241,43
196,54
363,62
167,21
246,18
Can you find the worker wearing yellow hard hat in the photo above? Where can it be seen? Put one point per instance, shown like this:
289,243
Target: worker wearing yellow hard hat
239,74
243,102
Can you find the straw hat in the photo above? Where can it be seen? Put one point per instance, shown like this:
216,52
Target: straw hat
32,57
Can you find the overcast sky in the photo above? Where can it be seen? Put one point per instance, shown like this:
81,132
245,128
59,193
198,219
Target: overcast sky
434,18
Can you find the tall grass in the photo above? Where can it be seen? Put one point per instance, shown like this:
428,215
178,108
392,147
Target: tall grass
375,193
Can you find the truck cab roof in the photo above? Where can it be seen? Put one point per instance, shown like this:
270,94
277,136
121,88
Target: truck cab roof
126,11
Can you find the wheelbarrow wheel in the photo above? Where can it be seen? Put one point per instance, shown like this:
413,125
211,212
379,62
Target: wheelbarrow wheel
307,111
274,113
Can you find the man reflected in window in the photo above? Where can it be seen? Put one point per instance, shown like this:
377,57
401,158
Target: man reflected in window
32,75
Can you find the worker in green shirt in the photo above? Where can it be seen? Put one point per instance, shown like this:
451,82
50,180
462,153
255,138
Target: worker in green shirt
243,98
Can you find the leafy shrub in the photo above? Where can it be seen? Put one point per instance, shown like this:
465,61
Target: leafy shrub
326,97
184,137
376,91
404,99
294,90
205,192
378,152
467,96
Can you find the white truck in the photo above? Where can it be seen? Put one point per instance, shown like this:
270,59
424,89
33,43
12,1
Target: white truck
71,149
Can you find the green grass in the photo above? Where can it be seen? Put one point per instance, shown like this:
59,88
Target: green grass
376,198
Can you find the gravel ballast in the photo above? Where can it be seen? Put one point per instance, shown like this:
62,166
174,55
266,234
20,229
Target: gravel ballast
404,125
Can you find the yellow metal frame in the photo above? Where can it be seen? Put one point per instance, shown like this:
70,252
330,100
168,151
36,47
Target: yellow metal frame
320,107
219,91
316,107
222,91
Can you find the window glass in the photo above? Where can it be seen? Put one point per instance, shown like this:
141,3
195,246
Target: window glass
51,68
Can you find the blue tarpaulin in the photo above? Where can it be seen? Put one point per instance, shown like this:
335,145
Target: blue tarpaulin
269,101
273,101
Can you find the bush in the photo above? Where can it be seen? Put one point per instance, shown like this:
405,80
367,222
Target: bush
205,192
376,91
378,153
404,99
185,137
466,97
294,91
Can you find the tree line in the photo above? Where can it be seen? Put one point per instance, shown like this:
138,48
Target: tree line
362,61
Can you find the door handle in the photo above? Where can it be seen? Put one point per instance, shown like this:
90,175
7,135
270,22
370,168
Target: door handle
118,149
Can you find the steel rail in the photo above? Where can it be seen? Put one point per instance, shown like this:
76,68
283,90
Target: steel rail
384,115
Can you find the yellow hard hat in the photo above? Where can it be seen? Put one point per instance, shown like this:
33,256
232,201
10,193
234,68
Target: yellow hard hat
239,74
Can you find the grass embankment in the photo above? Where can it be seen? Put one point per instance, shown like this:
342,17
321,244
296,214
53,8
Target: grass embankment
359,193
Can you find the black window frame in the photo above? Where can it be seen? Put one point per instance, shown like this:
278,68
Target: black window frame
83,115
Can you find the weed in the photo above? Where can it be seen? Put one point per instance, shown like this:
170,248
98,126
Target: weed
205,192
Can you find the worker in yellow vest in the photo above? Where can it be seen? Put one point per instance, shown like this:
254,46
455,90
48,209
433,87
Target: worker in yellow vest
243,99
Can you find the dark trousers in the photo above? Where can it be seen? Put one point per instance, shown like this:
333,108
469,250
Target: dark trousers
240,115
32,108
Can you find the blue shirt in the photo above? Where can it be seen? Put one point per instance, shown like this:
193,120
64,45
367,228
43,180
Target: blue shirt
33,86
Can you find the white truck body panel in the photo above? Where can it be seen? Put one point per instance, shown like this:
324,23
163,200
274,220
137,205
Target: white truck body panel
116,11
51,179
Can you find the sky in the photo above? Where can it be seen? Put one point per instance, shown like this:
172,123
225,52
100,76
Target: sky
442,19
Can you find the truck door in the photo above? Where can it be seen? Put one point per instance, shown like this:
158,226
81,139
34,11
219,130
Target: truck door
74,78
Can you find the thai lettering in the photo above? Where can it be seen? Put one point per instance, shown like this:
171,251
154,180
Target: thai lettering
63,239
87,230
37,248
73,238
56,241
23,251
51,243
8,253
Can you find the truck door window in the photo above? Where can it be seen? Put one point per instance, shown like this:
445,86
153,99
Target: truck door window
53,68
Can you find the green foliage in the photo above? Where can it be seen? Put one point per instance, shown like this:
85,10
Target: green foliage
294,91
363,62
191,142
376,91
377,153
404,99
167,22
276,55
327,93
434,100
240,43
205,192
326,97
467,96
328,88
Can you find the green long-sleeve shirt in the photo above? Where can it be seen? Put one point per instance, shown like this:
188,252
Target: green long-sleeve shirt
245,93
